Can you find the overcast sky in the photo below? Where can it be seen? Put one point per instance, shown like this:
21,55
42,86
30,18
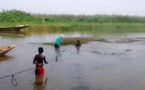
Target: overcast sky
77,7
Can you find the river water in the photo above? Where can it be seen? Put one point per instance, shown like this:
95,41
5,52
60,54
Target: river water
118,63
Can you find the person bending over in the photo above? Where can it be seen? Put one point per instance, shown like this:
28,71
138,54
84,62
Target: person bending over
58,40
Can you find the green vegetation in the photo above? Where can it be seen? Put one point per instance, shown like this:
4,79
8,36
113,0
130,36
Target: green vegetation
15,16
72,41
64,23
83,40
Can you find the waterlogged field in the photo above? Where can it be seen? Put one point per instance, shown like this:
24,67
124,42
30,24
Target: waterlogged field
107,60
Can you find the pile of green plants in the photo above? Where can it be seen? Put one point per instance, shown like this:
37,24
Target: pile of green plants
73,40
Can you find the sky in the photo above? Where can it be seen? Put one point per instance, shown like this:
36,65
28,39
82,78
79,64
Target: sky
77,7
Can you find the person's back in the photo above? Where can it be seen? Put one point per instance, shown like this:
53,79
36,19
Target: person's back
57,42
38,60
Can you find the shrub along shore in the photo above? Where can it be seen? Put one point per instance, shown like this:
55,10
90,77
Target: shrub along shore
63,22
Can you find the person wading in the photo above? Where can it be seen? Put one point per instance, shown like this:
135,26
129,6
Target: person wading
39,60
78,45
58,40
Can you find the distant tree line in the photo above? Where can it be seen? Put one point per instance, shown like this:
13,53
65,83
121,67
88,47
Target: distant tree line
10,16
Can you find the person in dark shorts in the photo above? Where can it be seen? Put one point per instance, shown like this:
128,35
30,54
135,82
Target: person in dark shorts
78,45
39,60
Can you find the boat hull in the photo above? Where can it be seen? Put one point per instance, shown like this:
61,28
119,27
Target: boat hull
5,49
16,28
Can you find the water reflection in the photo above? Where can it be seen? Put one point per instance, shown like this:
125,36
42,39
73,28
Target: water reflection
39,83
57,52
77,49
12,34
5,57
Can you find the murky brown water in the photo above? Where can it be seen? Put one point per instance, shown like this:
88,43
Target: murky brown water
114,65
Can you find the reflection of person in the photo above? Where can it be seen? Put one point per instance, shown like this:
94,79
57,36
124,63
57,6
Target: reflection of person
57,51
57,42
39,83
39,79
39,59
78,45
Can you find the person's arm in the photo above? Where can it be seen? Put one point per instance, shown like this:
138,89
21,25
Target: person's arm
45,60
34,60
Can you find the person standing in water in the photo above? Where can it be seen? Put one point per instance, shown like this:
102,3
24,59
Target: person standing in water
78,45
39,60
58,40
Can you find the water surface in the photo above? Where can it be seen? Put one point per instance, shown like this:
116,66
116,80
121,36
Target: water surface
114,65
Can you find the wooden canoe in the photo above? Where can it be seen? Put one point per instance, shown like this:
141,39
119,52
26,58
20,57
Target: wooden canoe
16,28
5,49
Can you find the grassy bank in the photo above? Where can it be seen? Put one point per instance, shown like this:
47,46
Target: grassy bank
41,23
86,27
